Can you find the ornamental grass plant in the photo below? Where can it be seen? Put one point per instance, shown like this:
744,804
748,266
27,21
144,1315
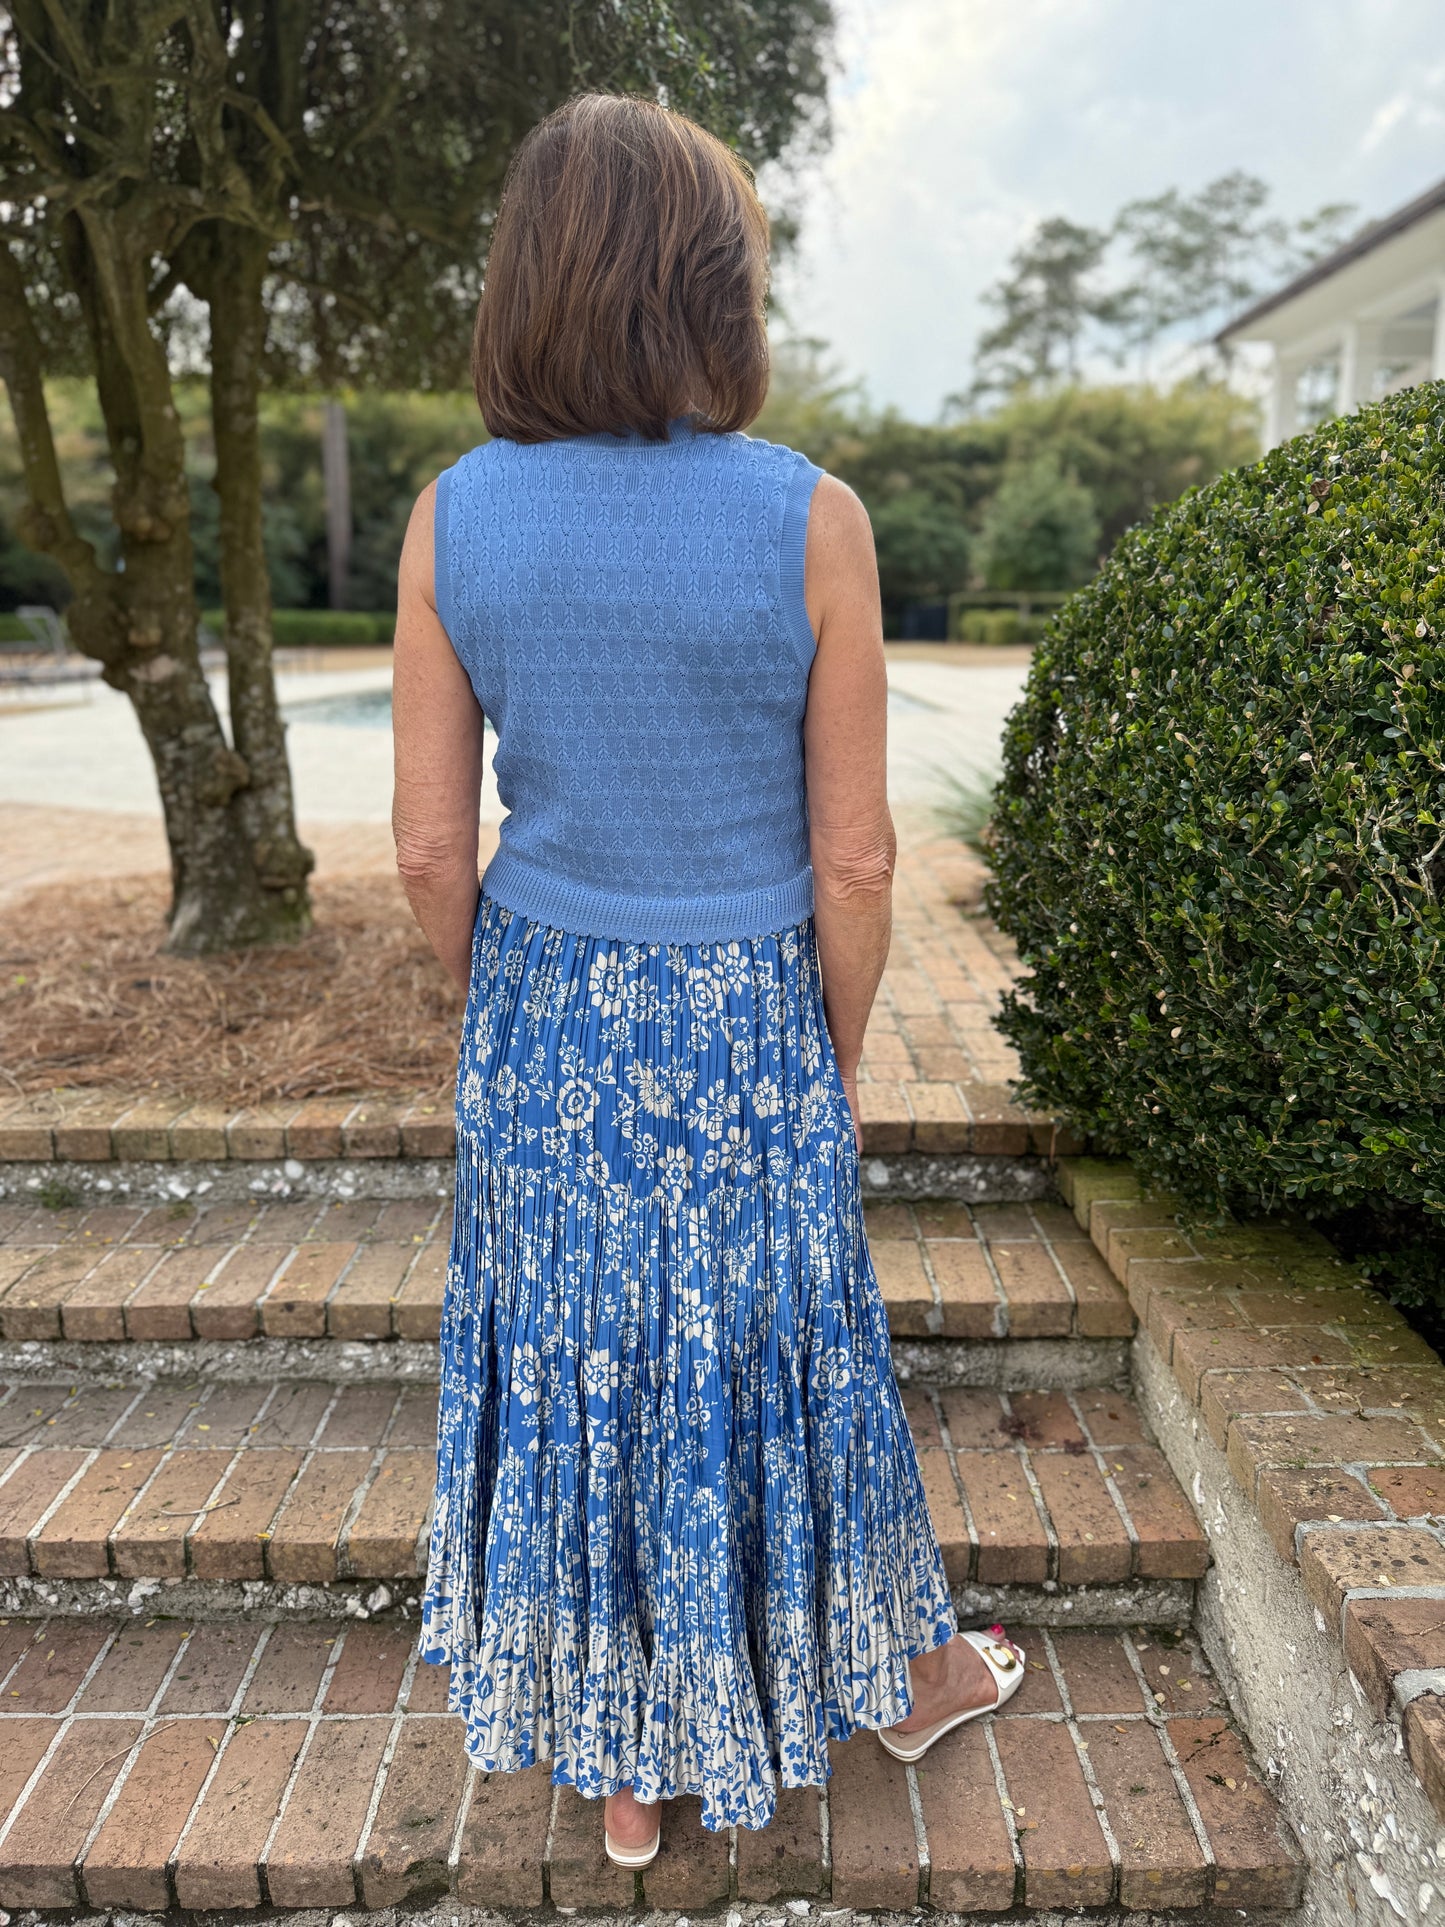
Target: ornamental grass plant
1219,842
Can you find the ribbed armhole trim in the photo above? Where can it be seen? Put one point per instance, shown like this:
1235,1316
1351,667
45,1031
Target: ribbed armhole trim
585,911
805,479
441,555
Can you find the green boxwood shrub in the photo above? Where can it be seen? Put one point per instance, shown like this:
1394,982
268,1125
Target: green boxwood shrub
1219,839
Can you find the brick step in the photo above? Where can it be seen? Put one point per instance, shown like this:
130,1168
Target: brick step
908,1107
956,1278
212,1767
1046,1503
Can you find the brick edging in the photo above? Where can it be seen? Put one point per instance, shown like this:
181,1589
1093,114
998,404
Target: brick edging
64,1125
1329,1410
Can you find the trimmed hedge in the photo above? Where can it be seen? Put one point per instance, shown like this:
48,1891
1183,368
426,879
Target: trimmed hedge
997,626
319,628
1219,839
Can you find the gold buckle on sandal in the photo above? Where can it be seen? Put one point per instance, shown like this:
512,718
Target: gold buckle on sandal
1004,1657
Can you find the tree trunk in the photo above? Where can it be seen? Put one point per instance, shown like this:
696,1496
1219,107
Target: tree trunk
216,900
140,622
238,329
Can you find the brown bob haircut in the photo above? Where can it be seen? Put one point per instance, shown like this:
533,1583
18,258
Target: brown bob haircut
625,281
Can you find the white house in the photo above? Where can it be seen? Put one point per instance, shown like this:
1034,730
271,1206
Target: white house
1356,324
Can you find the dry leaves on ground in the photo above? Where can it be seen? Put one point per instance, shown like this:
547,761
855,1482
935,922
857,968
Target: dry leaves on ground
89,997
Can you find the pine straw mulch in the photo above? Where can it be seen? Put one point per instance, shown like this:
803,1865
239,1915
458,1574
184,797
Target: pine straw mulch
88,997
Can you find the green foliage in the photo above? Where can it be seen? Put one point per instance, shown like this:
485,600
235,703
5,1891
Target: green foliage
1129,447
322,628
1132,447
399,442
1196,255
1220,833
28,577
290,568
53,1194
922,547
1045,304
1041,530
810,405
381,196
966,811
88,479
995,626
956,466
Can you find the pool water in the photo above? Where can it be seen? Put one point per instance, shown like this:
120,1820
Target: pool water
363,709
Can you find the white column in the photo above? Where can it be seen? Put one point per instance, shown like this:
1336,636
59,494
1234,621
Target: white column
1437,357
1347,384
1279,412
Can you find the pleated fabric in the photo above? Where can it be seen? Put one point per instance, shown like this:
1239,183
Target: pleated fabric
680,1537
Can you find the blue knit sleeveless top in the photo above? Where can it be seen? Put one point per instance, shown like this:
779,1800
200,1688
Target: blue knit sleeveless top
631,617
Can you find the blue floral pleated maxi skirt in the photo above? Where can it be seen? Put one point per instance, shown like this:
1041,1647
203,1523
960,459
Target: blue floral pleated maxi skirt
680,1538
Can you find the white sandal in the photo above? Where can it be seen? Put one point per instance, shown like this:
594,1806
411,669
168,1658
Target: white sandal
1005,1662
633,1856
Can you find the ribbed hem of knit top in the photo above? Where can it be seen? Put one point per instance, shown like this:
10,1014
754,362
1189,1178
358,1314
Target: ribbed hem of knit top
586,911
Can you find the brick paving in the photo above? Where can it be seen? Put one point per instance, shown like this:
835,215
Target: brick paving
365,1269
1330,1412
359,1269
151,1764
991,1271
41,844
311,1482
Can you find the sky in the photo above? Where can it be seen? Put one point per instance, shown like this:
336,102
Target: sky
958,124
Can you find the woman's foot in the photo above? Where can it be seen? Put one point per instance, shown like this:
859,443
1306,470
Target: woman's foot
969,1676
951,1679
632,1828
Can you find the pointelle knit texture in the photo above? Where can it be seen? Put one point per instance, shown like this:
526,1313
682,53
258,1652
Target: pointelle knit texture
631,617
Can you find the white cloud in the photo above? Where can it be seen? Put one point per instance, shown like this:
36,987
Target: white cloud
1419,106
961,122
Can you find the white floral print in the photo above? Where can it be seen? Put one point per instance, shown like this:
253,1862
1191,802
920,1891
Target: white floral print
576,1101
713,1108
680,1538
654,1093
605,984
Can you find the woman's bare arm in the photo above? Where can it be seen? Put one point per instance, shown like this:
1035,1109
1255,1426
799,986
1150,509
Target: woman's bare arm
437,727
845,743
